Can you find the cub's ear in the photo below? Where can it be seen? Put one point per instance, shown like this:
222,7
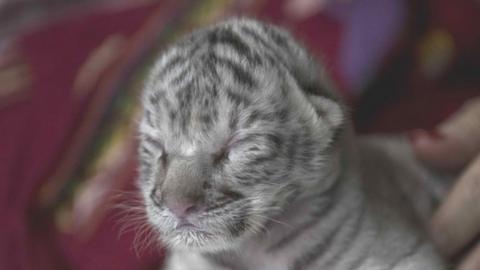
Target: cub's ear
321,106
320,92
330,110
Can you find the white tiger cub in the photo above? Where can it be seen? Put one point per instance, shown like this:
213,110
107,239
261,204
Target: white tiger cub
248,162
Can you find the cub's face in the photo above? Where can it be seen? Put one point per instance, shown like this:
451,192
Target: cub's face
221,157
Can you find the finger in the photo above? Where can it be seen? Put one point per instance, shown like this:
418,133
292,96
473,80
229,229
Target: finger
438,150
472,262
454,143
457,221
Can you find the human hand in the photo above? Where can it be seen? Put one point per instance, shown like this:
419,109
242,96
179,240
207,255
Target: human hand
455,146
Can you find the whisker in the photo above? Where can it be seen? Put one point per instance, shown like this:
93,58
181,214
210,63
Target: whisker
275,220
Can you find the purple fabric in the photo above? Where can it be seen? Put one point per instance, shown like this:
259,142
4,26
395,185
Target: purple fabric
370,29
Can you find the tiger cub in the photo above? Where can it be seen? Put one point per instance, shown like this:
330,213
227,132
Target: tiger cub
248,162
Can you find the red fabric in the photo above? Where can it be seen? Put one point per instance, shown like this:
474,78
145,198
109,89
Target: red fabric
34,133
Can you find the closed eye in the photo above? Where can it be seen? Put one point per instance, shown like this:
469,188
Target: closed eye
266,139
221,156
259,142
154,146
258,145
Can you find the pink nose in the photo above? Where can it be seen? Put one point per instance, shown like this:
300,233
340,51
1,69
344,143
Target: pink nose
184,209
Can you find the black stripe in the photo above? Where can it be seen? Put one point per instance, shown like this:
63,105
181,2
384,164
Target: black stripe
155,97
255,36
148,118
275,139
144,151
227,37
167,106
245,179
234,195
145,164
359,261
172,115
413,250
253,117
236,229
226,196
318,250
268,48
172,62
293,235
152,141
209,68
318,215
315,252
180,77
277,36
337,136
241,75
292,152
258,136
225,259
262,158
206,119
220,261
283,115
206,102
253,149
237,98
184,97
256,115
307,155
349,238
233,120
145,170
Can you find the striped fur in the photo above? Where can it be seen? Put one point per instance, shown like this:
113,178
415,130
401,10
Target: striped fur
240,117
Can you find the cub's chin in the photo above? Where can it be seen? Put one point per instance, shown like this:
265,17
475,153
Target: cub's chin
203,233
195,239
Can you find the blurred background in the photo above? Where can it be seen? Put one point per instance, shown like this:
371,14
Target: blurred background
71,72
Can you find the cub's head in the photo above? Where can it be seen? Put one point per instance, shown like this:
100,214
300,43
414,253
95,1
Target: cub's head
227,145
